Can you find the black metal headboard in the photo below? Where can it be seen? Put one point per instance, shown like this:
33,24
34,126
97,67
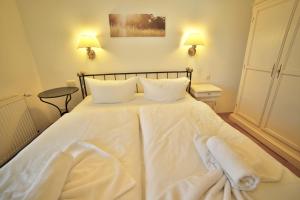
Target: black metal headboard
188,73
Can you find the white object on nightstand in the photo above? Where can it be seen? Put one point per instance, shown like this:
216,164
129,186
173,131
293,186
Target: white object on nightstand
207,93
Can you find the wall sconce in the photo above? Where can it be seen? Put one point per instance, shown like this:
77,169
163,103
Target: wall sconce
194,39
89,42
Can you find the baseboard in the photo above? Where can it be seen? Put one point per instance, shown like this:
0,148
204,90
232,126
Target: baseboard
282,149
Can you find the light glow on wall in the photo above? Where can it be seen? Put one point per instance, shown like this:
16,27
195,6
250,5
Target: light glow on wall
187,32
82,51
190,30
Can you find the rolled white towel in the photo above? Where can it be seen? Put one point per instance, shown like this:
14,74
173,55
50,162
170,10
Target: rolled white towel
265,166
239,174
206,157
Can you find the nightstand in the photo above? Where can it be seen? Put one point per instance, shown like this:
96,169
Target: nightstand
58,92
207,93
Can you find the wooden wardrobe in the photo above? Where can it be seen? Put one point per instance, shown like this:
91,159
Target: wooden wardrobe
268,102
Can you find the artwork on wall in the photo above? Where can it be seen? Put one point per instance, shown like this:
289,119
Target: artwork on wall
137,25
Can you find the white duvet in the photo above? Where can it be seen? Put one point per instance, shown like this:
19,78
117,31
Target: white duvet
49,163
172,163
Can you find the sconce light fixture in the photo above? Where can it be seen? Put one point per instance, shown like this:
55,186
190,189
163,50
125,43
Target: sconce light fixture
89,42
194,39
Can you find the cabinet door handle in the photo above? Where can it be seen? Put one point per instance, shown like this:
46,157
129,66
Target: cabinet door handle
279,70
272,70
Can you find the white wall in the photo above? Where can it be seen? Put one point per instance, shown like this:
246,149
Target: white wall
18,74
53,28
259,1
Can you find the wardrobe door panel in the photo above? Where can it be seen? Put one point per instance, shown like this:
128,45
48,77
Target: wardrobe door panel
256,87
283,116
270,27
267,35
292,66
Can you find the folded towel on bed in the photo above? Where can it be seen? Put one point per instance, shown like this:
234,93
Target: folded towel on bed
95,174
213,185
49,183
206,157
222,190
46,184
216,154
265,166
82,171
239,174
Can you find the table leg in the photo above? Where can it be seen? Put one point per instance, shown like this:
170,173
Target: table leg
68,99
215,105
61,113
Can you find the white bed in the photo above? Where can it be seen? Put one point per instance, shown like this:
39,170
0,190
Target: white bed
171,158
115,132
115,128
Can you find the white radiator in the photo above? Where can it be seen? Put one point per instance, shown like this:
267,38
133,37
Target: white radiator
16,127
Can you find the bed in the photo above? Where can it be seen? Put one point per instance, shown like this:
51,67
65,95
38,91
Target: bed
139,149
171,158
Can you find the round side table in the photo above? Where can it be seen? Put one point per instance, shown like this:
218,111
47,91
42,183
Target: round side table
58,92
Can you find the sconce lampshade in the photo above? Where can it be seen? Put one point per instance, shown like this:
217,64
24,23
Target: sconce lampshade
86,41
194,39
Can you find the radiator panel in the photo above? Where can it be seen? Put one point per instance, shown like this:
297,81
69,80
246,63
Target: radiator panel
16,127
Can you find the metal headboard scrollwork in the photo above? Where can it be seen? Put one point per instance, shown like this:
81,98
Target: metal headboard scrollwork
187,73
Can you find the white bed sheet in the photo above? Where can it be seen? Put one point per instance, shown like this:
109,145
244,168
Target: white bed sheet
87,120
76,124
133,105
116,132
170,155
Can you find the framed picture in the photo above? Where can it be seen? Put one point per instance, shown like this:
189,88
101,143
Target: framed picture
137,25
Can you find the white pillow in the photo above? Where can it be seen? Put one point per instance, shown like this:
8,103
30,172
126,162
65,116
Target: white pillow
164,90
112,91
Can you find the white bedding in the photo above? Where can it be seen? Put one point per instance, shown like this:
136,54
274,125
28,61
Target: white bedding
170,155
94,174
135,104
116,132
